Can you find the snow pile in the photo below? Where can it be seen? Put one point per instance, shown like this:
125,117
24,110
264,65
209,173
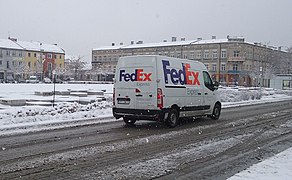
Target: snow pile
235,94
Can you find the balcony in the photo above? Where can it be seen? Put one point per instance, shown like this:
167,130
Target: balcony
236,59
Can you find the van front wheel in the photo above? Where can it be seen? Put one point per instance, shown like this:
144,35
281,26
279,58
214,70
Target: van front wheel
216,112
129,121
172,119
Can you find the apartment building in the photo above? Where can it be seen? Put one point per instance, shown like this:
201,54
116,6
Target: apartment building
231,61
25,58
11,60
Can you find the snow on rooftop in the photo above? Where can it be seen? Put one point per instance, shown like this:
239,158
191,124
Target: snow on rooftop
30,46
6,43
164,44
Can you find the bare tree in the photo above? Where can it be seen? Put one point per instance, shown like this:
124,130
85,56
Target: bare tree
74,66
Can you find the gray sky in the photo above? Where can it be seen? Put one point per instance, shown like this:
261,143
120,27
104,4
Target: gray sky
80,25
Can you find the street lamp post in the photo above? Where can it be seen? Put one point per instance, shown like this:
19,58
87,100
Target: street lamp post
54,81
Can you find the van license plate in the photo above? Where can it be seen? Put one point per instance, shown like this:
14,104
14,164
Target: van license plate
123,100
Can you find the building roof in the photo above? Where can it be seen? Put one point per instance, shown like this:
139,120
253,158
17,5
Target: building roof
8,44
30,46
164,44
38,46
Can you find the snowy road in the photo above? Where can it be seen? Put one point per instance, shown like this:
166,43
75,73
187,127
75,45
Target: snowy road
194,150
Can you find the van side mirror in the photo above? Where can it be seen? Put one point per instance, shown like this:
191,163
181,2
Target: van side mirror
216,85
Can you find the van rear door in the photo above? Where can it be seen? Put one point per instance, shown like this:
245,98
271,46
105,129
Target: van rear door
136,88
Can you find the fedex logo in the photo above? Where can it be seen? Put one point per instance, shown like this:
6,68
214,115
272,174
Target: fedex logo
138,75
182,76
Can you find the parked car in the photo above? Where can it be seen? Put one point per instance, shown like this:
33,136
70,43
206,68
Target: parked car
47,80
10,79
20,80
58,81
32,79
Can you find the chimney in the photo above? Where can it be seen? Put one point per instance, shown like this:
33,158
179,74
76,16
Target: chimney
113,44
199,38
139,42
182,39
132,42
213,37
279,48
121,43
13,39
56,44
164,40
173,39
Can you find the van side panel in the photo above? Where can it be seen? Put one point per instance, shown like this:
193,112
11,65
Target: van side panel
182,83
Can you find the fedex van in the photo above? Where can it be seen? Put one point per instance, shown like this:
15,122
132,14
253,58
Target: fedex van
159,88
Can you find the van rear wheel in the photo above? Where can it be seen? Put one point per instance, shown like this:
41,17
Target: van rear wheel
172,119
129,121
216,112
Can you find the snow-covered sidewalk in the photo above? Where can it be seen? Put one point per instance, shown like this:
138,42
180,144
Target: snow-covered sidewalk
276,167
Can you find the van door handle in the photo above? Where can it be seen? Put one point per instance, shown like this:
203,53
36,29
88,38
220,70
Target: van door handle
150,95
199,93
206,93
139,95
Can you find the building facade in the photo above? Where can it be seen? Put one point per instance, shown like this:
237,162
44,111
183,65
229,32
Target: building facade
231,61
11,60
21,59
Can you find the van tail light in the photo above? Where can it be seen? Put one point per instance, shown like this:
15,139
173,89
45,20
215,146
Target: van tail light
159,98
114,95
138,90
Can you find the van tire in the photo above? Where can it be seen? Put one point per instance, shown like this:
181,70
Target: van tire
216,112
129,121
172,119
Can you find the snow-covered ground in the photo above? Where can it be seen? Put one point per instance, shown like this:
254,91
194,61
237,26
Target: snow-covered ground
24,119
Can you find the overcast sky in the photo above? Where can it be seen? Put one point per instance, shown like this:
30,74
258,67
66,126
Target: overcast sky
78,26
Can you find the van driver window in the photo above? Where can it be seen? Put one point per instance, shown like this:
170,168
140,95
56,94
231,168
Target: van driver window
208,81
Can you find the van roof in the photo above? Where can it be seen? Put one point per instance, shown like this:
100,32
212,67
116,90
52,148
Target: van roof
166,57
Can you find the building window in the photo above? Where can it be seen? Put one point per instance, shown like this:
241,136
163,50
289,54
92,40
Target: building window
20,54
206,54
0,63
192,55
1,55
7,65
60,56
29,64
19,63
223,53
95,58
223,67
199,55
50,56
235,67
215,54
236,53
7,53
207,66
28,54
13,53
287,84
55,56
214,67
34,54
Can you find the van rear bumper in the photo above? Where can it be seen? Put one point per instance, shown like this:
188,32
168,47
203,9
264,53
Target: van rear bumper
140,114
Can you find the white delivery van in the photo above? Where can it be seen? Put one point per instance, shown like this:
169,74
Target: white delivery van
163,88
